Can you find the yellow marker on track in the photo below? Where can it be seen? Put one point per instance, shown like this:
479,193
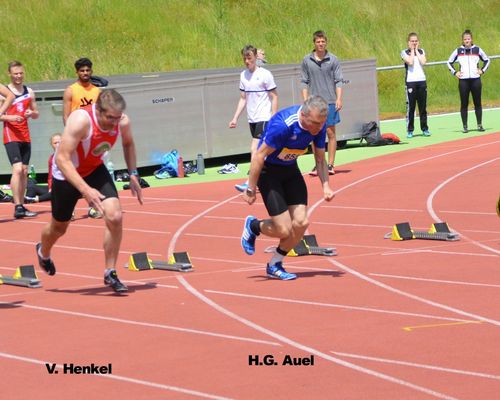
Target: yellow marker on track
412,328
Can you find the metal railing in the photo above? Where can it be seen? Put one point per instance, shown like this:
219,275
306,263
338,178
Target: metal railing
391,67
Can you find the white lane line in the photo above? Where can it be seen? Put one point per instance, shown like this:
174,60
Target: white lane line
414,278
453,253
417,365
277,336
372,208
443,184
406,165
412,296
121,378
330,305
307,349
142,323
71,247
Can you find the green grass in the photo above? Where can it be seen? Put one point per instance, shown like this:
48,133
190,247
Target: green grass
127,36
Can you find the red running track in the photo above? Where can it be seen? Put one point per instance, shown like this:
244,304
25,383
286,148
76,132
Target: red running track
382,320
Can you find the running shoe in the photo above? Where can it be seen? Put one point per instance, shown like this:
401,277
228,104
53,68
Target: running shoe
242,187
248,237
331,169
426,133
277,271
313,172
409,135
22,212
47,265
111,279
229,169
5,198
466,130
480,128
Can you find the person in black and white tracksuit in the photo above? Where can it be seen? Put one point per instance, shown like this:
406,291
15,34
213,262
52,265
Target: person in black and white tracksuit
469,75
416,85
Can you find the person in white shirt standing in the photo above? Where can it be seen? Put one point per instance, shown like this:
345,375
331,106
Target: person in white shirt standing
258,94
416,85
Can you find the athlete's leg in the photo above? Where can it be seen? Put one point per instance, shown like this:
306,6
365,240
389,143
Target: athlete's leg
50,234
422,105
476,87
112,231
16,182
464,89
332,143
411,101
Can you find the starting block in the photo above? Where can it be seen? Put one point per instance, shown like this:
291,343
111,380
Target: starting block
179,262
437,231
24,276
308,246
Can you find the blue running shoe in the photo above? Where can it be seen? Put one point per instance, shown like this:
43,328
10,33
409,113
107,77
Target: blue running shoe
277,271
426,133
248,237
409,135
241,188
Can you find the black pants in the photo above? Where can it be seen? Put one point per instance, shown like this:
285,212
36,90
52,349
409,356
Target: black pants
474,86
416,93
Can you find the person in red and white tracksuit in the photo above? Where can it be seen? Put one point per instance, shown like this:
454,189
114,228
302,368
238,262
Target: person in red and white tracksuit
469,75
16,135
78,171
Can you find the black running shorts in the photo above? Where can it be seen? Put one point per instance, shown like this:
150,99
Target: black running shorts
65,195
257,128
282,186
18,152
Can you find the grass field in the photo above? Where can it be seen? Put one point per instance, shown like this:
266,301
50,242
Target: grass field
165,35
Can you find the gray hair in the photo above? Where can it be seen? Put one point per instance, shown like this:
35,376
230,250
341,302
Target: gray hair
110,99
317,103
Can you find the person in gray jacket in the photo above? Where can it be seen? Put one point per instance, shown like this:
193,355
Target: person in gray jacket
321,75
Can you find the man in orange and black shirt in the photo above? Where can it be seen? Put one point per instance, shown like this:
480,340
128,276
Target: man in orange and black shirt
82,92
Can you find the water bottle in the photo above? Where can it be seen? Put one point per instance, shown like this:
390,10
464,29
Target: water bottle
200,164
180,167
111,169
32,172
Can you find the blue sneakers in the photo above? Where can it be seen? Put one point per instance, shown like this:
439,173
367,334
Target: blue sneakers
409,135
277,271
248,237
242,187
426,133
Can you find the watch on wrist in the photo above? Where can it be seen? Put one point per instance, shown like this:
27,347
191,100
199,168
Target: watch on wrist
250,192
134,172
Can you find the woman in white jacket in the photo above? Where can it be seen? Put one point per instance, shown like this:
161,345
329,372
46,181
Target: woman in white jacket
469,75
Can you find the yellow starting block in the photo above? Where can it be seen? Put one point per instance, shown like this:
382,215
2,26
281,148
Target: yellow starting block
179,262
308,246
25,276
437,231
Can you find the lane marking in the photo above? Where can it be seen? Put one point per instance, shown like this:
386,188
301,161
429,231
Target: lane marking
307,349
416,365
413,278
412,328
412,296
144,324
453,253
433,214
122,378
232,315
342,306
373,208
